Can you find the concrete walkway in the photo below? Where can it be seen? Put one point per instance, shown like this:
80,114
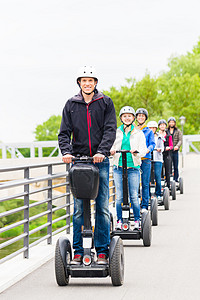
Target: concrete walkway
169,269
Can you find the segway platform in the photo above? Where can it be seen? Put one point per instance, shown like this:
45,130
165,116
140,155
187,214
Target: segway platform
128,235
93,270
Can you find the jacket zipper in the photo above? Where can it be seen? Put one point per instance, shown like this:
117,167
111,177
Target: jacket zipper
89,125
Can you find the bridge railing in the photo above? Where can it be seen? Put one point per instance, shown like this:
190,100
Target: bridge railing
26,192
15,150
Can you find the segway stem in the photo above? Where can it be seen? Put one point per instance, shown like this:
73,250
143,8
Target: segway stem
125,179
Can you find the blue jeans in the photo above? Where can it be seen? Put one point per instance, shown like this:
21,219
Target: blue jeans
146,173
175,163
133,186
157,172
102,217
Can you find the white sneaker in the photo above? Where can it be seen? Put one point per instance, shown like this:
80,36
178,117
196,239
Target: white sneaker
137,224
119,225
143,210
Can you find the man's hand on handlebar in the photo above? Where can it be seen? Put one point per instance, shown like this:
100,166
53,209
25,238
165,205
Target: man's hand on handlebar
98,158
67,158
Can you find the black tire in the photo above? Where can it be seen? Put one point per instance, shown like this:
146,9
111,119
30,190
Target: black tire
154,211
111,223
62,277
117,264
166,201
181,185
173,190
146,229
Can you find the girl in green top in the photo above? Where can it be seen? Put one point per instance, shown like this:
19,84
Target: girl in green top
128,137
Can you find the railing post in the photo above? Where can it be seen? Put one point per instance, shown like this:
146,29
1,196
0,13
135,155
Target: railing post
49,206
32,151
40,152
4,152
68,200
13,152
26,213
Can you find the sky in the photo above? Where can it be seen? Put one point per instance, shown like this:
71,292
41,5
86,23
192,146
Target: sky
43,43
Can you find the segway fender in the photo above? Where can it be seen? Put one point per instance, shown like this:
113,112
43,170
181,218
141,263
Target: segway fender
64,245
113,243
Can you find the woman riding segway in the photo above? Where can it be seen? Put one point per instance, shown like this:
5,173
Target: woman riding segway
128,137
168,146
142,116
157,157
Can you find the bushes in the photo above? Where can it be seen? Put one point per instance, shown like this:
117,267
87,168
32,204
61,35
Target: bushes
15,217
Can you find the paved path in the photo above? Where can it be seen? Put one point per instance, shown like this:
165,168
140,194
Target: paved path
169,269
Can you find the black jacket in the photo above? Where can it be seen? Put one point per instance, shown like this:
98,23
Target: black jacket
92,126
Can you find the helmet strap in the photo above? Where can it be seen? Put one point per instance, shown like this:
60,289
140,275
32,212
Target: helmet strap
126,126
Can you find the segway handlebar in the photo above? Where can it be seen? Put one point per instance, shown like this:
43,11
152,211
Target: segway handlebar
126,151
82,159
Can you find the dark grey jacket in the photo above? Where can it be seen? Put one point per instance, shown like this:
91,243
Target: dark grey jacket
88,128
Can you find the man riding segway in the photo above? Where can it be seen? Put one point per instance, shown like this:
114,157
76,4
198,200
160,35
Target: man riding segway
90,118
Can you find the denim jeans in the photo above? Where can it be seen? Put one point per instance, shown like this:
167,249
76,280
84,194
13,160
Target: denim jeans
102,217
175,163
157,172
146,173
133,186
167,166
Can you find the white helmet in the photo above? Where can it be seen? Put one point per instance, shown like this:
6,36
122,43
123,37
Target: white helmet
127,110
152,124
87,71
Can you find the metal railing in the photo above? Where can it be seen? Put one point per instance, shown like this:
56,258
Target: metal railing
13,150
25,194
188,142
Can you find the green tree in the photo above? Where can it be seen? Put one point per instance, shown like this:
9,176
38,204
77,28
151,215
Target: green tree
48,130
183,64
143,93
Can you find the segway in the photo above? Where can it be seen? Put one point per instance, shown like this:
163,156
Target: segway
165,195
127,233
153,198
84,182
172,188
180,185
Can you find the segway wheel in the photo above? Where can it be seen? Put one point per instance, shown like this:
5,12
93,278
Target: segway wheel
146,229
117,264
62,277
173,190
166,201
181,185
154,211
111,223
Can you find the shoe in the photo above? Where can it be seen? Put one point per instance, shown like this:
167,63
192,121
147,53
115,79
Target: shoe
77,260
119,225
137,225
102,259
143,210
